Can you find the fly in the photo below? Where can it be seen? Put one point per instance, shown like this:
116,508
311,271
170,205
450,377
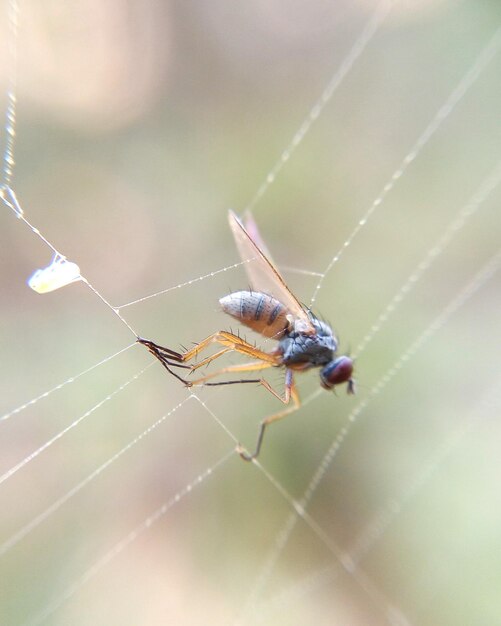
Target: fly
272,310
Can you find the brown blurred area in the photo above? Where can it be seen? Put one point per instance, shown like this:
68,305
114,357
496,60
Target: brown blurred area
139,125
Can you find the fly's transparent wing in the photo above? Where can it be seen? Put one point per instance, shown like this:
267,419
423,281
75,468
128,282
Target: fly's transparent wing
262,273
252,230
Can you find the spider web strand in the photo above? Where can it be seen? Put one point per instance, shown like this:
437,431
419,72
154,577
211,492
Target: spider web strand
10,113
283,535
68,381
13,470
124,543
487,54
357,574
9,198
217,420
184,284
484,275
393,507
24,531
360,45
387,514
452,229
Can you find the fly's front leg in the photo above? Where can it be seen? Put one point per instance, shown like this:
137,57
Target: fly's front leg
290,394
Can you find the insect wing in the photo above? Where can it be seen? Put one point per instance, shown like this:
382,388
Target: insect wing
263,275
252,231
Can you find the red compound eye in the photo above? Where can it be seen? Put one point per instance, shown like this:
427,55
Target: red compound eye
337,372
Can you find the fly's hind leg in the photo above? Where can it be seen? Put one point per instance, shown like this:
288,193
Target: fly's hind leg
255,366
290,394
167,357
230,342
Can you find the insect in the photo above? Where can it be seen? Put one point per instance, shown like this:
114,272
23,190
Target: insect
271,309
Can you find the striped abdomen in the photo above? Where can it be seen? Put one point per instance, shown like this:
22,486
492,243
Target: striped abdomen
259,311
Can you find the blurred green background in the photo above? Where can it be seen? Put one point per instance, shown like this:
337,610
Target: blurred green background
139,125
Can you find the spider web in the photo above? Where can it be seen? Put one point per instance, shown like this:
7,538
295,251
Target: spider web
106,485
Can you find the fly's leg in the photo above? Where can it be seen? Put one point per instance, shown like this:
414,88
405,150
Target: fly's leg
209,359
243,367
224,338
290,394
230,342
168,358
160,351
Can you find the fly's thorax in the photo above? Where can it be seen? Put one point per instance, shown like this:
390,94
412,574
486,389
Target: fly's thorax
259,311
314,349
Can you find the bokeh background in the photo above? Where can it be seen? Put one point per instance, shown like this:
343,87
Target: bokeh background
139,125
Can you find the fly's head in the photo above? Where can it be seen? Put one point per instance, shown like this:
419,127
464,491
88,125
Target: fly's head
337,372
